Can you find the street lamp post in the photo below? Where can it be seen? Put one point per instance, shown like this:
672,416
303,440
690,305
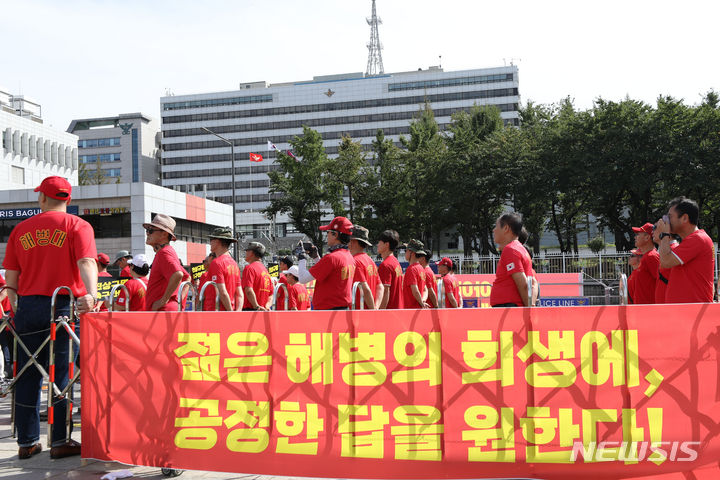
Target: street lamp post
234,208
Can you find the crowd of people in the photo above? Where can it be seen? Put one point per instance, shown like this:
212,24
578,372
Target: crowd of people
674,260
680,270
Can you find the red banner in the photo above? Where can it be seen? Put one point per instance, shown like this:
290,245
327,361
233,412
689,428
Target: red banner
475,288
595,392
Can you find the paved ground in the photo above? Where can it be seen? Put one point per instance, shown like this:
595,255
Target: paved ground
41,466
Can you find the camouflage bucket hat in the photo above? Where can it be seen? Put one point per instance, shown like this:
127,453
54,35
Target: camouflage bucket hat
416,246
223,233
256,247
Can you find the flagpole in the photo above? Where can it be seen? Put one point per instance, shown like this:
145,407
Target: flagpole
251,189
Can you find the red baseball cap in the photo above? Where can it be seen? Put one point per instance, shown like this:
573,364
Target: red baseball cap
339,224
55,187
647,228
446,261
103,258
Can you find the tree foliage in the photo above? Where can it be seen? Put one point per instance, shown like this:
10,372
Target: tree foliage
618,163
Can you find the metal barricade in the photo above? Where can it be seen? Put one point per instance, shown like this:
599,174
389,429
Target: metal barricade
180,289
112,297
441,293
201,297
68,323
529,280
277,288
623,289
355,288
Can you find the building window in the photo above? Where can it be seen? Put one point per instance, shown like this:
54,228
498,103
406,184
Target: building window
111,172
105,157
99,142
135,156
18,175
216,102
109,226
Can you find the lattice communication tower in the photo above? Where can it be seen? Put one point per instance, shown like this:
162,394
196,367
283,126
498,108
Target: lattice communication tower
375,63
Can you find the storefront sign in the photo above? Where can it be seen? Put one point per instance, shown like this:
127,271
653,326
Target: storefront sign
22,213
104,211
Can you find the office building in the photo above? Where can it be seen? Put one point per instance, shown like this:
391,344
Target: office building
120,149
348,104
32,150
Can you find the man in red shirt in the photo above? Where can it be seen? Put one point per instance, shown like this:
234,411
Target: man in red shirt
334,272
121,261
510,288
46,251
414,283
102,263
256,281
634,262
366,271
663,273
693,261
167,272
431,296
137,286
389,271
451,287
298,298
284,265
224,271
647,273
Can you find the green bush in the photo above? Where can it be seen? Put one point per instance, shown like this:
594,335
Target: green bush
597,244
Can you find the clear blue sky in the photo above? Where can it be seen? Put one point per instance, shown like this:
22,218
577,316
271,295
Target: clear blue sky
95,58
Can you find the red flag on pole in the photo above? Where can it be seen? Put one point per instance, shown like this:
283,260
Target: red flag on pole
256,157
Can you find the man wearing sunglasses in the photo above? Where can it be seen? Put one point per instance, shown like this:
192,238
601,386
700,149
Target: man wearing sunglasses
335,271
167,271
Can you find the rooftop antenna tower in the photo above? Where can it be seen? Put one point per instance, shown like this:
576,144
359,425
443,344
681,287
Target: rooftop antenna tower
375,63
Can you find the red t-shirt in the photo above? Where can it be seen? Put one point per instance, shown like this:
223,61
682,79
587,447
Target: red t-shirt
646,278
280,303
223,269
660,285
125,272
137,288
45,250
6,301
366,271
103,306
299,297
256,276
632,279
165,264
451,287
414,275
333,275
202,281
391,275
692,281
430,282
513,259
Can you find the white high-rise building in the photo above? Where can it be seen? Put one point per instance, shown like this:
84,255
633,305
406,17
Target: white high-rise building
348,104
123,149
30,149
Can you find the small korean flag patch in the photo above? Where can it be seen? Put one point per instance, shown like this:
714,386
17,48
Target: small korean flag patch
510,266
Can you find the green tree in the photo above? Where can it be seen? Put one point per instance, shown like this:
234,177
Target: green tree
301,188
87,176
346,171
425,201
381,188
471,168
